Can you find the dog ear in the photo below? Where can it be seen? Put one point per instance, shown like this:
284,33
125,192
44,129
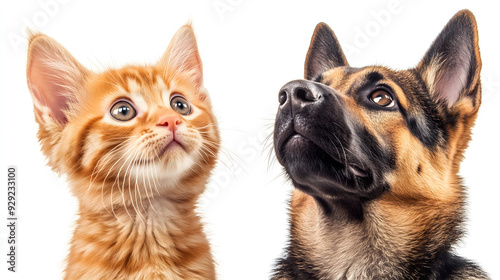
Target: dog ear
452,65
324,52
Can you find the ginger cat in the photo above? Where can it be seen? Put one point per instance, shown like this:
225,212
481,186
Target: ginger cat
137,145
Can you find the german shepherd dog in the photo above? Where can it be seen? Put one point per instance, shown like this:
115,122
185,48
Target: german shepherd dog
374,154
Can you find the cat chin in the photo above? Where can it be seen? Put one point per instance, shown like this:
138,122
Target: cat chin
173,164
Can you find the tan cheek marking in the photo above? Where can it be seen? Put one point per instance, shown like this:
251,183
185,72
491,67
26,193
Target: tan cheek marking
408,154
433,180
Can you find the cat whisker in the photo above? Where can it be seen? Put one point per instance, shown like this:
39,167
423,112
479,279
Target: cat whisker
154,177
228,155
203,155
148,168
99,166
122,190
143,158
130,185
137,189
106,177
142,165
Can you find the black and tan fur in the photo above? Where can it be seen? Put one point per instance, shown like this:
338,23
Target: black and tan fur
377,192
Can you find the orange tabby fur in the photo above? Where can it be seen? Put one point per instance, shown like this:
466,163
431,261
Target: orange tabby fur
136,196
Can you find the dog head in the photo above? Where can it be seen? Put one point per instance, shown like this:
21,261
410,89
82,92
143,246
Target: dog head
346,133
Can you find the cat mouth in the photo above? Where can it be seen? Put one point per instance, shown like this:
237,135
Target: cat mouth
161,152
172,145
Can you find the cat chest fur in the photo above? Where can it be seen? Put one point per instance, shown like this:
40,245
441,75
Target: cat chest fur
161,239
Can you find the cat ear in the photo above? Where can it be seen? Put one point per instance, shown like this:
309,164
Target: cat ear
452,65
54,79
324,52
182,56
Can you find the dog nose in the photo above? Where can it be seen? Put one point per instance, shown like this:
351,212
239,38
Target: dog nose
297,94
170,121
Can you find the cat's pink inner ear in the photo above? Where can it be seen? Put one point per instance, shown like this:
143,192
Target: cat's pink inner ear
53,77
182,56
48,90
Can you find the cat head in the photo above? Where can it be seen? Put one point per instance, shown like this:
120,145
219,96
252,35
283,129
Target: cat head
137,131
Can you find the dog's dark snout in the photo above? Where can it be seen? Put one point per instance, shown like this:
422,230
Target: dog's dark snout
298,93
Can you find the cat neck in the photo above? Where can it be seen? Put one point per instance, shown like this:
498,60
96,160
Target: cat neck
158,209
157,236
137,199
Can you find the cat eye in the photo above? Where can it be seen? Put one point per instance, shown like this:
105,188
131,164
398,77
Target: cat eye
180,105
123,111
382,98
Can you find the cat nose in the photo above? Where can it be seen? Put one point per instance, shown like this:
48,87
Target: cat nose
170,121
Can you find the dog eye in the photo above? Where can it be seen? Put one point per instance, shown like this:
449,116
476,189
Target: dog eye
123,111
180,105
382,98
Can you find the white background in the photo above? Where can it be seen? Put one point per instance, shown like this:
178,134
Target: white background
249,51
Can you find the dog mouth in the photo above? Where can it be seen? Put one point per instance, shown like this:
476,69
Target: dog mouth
320,172
295,148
